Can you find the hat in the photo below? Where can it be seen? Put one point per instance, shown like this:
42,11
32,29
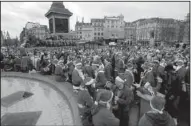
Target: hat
179,61
89,81
95,63
118,81
169,67
78,62
156,61
105,96
157,103
129,65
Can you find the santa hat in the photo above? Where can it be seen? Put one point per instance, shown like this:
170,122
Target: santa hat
155,61
105,96
89,81
95,63
179,61
129,65
78,62
157,103
76,87
119,81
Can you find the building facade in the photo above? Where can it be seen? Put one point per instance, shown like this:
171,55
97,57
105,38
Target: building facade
30,25
186,36
40,32
98,25
85,31
114,27
158,29
130,33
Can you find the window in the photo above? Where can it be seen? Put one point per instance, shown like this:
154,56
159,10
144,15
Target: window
98,33
80,32
94,33
101,33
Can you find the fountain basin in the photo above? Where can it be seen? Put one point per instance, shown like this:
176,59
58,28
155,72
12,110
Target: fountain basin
50,102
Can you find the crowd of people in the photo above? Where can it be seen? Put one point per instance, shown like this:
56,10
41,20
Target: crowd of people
110,81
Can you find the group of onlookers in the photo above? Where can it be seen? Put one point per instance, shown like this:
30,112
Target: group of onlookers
109,82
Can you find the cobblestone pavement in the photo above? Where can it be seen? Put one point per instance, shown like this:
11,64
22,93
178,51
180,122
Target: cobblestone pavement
55,110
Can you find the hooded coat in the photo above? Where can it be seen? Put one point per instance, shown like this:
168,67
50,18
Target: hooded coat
156,119
104,117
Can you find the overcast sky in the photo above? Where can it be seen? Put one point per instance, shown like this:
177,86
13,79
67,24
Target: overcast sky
14,15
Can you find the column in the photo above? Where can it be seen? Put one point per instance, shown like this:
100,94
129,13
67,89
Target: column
68,24
54,25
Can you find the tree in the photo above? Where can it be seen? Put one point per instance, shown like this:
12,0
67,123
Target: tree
8,41
22,35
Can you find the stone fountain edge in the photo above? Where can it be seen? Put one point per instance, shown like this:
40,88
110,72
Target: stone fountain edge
53,84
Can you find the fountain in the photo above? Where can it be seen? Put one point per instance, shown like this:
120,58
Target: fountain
35,100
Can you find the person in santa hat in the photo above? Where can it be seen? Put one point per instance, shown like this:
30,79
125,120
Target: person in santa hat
59,75
99,75
180,69
77,75
157,116
172,91
88,70
124,96
85,102
70,70
119,64
102,114
128,74
108,70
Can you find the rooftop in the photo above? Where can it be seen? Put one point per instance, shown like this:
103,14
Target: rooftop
59,8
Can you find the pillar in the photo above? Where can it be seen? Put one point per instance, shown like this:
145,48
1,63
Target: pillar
54,26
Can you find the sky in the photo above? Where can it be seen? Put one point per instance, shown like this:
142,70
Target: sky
14,15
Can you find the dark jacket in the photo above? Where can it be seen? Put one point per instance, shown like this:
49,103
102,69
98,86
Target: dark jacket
108,72
126,98
156,119
88,70
85,102
101,79
104,117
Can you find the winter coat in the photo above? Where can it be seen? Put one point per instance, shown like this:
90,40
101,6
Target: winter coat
85,102
104,117
100,80
76,79
108,72
126,98
88,70
156,119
